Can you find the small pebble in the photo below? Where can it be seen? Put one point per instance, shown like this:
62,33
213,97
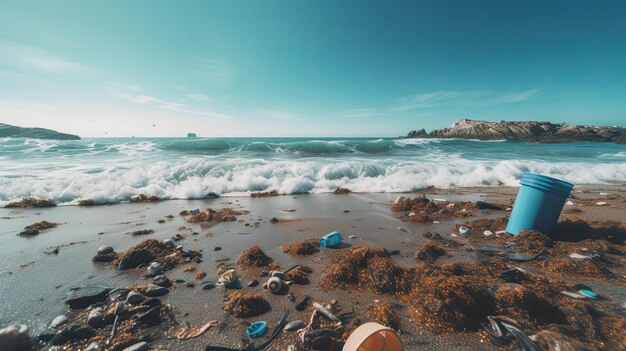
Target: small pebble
217,248
352,236
208,285
104,250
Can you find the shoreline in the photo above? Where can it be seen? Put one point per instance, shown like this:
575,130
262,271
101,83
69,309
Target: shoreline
37,291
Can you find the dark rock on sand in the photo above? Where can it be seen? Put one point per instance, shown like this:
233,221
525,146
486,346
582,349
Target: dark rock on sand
208,285
162,280
59,321
134,298
253,283
86,296
304,301
151,317
156,291
7,130
104,250
543,132
151,302
73,333
14,338
29,232
95,318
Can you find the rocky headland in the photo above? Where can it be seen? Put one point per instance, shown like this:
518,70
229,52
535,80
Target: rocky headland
533,131
9,131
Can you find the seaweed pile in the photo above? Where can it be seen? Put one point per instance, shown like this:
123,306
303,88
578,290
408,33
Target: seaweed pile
424,210
154,250
265,193
31,203
243,304
254,257
302,247
384,313
430,252
341,190
366,268
212,216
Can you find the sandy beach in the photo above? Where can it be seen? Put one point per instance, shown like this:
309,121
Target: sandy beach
34,281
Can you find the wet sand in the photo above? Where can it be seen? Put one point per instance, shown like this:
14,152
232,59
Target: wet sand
33,284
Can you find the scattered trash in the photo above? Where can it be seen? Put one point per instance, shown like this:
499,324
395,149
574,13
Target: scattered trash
352,237
589,293
538,205
274,284
187,332
578,256
257,329
279,328
574,295
440,200
488,233
406,230
324,312
294,325
483,211
373,337
602,203
569,203
463,230
332,239
501,326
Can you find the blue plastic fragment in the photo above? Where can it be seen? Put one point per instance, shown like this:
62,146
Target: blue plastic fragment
257,329
589,293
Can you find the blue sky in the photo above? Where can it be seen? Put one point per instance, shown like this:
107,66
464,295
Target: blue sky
308,68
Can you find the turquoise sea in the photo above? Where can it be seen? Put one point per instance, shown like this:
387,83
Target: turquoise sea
114,169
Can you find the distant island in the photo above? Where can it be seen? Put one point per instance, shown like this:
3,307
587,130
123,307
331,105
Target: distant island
192,135
542,132
7,130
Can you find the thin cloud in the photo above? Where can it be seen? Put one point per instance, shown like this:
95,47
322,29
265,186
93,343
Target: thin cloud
359,112
133,93
198,96
217,71
513,97
34,59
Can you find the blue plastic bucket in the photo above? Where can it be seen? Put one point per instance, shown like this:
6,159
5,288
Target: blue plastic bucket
538,205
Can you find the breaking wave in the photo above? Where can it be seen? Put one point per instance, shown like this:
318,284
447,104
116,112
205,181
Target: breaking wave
112,170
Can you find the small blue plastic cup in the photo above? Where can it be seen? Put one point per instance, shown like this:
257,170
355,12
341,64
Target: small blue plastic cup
331,240
257,329
538,205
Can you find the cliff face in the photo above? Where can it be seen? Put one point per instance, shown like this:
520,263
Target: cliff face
7,130
543,132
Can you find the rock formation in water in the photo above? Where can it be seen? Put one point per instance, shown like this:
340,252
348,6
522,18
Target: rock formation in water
7,130
543,132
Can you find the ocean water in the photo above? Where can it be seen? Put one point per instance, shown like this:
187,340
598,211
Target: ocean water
111,170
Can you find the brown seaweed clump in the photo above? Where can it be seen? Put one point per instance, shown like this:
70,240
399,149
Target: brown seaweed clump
142,232
31,203
430,252
243,304
302,247
155,250
423,210
532,239
144,198
214,216
300,274
265,193
587,267
41,225
383,312
110,257
254,257
450,304
86,202
527,304
341,190
200,275
367,268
